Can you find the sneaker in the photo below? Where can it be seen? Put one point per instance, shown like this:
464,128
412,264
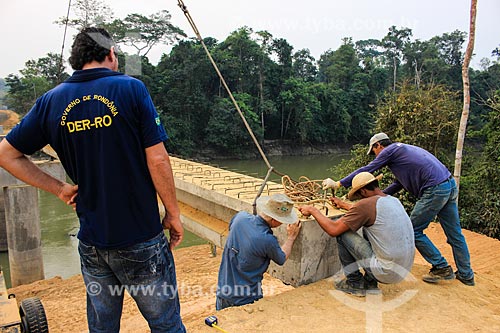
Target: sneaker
437,274
353,288
469,282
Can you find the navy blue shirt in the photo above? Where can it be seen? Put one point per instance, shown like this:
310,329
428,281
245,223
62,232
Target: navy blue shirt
249,249
415,169
100,122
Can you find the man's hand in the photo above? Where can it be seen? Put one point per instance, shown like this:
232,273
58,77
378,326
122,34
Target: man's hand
293,230
330,183
175,229
340,203
68,194
307,210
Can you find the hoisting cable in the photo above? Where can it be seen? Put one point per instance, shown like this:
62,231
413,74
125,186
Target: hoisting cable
61,66
200,39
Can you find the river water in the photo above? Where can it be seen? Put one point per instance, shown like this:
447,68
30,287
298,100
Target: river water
59,223
314,167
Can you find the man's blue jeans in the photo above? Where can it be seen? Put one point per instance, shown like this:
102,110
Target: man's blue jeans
355,251
222,303
441,201
145,270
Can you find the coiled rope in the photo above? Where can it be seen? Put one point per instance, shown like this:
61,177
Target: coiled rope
305,191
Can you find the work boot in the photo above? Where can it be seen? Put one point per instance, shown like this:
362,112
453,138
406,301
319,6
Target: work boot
371,285
469,281
437,274
351,287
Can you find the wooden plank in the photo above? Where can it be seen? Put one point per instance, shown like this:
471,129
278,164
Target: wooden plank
9,312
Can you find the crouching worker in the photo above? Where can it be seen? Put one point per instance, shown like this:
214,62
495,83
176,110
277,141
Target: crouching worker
386,249
251,246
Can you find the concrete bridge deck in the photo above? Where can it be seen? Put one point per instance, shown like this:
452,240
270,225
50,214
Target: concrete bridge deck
210,196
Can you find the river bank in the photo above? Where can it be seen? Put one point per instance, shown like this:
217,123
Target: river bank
275,148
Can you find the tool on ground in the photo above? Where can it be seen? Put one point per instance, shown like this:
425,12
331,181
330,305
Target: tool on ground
212,322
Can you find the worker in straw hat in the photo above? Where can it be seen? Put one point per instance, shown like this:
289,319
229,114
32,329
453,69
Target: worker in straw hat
431,183
251,246
386,249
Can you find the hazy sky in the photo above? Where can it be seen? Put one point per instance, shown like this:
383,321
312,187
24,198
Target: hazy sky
28,31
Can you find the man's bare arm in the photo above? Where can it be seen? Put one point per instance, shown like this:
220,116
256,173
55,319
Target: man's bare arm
22,168
331,227
292,231
161,172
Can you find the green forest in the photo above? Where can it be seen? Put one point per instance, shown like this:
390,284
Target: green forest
409,88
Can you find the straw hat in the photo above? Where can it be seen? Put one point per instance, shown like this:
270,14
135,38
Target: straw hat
279,207
359,181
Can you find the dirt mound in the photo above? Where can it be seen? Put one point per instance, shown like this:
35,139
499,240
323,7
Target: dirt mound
64,300
410,306
8,119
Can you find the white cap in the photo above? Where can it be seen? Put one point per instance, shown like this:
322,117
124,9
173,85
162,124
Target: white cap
376,138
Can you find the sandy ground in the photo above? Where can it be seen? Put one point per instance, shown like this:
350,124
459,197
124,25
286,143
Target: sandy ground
410,306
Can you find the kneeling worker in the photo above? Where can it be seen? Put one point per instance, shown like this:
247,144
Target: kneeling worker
251,246
386,249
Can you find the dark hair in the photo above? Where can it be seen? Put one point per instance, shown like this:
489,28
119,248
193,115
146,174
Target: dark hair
371,186
385,142
90,44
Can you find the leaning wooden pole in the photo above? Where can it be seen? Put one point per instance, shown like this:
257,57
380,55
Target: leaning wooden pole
466,88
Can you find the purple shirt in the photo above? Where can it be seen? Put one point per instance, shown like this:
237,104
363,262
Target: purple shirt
415,169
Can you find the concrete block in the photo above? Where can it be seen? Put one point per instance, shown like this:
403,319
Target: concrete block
314,256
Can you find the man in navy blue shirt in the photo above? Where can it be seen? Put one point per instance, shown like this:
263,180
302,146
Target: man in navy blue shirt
109,138
251,246
428,180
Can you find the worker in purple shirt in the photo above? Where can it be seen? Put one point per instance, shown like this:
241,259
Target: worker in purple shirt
425,177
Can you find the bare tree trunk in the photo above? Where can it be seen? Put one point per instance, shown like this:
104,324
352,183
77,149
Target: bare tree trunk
261,92
466,87
282,120
417,74
394,74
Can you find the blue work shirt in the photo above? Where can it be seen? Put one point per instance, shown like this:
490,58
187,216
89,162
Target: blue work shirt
415,169
100,122
249,249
